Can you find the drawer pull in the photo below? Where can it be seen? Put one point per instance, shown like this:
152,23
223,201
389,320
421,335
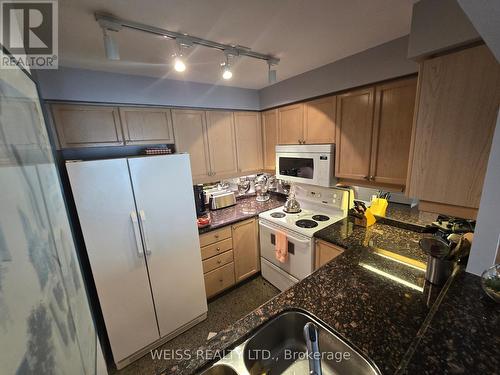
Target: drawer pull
219,261
218,249
216,236
221,280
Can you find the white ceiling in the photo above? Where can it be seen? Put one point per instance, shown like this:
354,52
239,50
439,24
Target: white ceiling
304,34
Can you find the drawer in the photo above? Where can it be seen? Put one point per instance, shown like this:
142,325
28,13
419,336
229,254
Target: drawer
219,279
215,235
216,248
217,261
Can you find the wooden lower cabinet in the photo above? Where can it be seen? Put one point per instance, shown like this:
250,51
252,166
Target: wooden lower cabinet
230,254
219,279
325,252
246,249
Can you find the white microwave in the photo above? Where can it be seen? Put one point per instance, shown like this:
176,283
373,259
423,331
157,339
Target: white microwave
306,164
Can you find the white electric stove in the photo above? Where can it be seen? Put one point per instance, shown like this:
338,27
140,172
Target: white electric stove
320,207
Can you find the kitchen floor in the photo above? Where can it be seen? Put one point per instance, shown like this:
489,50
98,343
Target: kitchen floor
222,312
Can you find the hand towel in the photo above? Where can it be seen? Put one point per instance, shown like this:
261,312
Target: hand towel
281,247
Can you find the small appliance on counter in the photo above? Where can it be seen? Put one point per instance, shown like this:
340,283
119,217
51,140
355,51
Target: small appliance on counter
261,188
222,199
448,241
199,200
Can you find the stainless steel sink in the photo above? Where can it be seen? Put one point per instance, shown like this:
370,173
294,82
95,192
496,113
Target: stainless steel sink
220,370
279,347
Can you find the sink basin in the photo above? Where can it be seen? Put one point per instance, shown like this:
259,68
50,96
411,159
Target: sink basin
220,370
279,347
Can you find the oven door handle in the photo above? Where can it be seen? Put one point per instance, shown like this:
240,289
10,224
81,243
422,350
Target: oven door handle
287,234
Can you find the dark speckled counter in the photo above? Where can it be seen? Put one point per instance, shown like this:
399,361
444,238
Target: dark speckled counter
245,208
383,307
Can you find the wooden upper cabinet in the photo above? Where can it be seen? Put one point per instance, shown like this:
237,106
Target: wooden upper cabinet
222,143
87,125
270,138
458,101
394,105
146,125
354,134
319,120
248,141
246,249
291,124
191,137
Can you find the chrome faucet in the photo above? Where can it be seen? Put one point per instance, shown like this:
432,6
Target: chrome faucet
313,353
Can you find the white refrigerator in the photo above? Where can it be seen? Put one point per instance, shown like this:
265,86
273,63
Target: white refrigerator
139,226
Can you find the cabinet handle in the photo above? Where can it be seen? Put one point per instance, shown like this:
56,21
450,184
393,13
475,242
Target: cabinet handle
372,178
221,280
216,236
219,261
218,249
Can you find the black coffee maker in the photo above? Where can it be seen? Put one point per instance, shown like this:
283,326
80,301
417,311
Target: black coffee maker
199,200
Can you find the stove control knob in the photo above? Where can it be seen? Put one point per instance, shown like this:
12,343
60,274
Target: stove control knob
449,225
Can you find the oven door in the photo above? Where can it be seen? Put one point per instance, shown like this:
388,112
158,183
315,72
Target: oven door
306,168
300,259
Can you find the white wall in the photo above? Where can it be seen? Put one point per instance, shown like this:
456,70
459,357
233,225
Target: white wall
485,242
437,26
385,61
485,16
88,85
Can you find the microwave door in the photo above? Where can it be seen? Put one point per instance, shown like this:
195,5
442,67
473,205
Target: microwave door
296,168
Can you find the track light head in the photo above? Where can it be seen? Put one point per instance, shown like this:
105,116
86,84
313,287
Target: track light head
179,64
271,73
110,45
226,66
179,60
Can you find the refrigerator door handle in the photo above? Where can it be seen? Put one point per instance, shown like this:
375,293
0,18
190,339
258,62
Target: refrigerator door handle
142,220
137,235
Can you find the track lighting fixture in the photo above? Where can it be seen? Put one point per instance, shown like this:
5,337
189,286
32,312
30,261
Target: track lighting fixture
112,23
110,44
271,73
226,68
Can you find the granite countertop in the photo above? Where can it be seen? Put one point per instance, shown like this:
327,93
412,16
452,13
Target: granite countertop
376,314
245,208
375,296
463,336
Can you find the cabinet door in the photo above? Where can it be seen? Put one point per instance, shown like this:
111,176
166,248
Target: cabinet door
319,120
354,134
146,125
222,143
394,104
248,141
245,249
87,125
270,138
191,137
291,124
457,109
325,252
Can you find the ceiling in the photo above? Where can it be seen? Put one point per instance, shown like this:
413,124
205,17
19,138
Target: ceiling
304,34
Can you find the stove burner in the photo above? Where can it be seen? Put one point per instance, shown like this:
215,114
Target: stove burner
320,218
278,215
306,223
